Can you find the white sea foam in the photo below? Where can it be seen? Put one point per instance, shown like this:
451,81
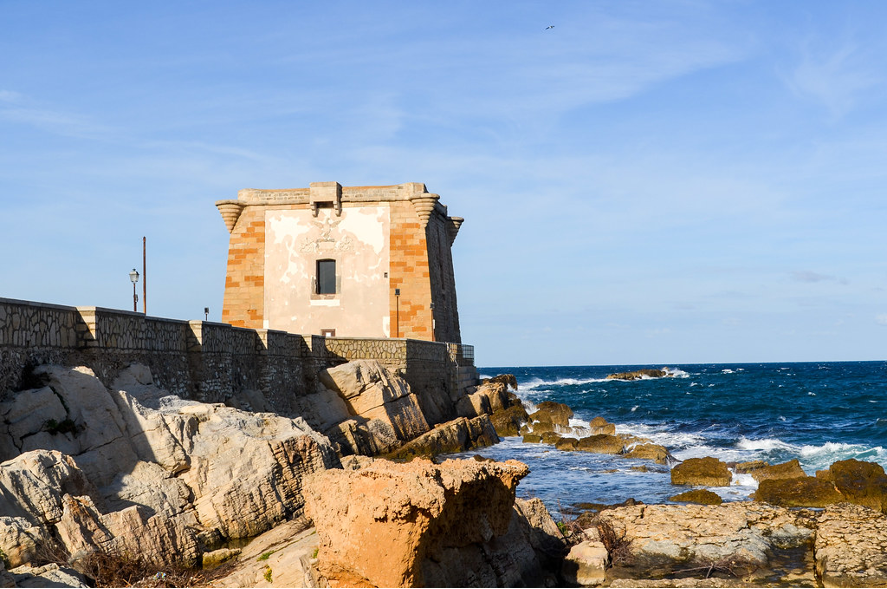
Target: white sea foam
766,445
635,408
744,480
659,436
727,371
538,383
677,373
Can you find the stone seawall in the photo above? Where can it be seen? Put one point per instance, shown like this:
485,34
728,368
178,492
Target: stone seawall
214,362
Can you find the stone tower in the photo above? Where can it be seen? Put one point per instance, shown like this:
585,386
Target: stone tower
360,261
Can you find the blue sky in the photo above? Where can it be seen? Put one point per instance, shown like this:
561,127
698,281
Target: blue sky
647,182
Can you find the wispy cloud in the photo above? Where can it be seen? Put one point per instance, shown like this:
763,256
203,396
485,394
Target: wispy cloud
812,277
881,319
837,78
18,108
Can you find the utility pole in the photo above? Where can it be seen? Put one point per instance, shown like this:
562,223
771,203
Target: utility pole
144,277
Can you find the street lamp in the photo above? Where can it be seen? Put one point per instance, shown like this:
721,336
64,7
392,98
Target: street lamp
134,276
397,315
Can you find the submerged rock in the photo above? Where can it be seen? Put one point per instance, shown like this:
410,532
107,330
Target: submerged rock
638,374
655,452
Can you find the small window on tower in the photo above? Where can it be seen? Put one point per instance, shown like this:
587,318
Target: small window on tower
326,277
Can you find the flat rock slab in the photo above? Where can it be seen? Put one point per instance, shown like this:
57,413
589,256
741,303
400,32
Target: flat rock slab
282,554
851,547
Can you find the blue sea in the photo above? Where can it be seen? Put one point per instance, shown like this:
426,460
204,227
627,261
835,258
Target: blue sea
817,412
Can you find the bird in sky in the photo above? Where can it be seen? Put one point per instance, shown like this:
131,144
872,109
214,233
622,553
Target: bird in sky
549,27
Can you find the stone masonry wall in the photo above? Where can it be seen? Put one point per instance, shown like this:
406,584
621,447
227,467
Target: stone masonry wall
411,314
211,362
244,303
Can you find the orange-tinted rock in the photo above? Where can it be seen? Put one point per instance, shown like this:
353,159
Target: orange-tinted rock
601,444
377,525
551,412
599,425
507,422
654,452
863,483
699,496
707,472
798,492
787,470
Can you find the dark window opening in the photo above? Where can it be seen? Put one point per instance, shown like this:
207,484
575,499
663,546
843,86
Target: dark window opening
326,277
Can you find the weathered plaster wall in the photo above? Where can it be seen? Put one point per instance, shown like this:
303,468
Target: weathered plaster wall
357,240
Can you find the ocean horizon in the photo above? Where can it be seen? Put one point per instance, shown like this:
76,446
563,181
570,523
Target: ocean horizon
816,412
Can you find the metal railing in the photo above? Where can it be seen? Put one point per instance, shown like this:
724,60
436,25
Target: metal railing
462,354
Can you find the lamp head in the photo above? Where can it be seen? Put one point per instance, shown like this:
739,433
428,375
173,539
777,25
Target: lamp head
134,276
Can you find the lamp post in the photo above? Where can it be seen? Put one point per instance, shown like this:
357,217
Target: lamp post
433,323
134,276
397,311
206,312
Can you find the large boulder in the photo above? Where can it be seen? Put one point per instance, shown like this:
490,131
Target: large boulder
655,452
458,435
601,444
599,425
557,414
706,472
763,471
415,524
135,470
798,492
372,392
863,483
698,496
586,564
507,422
509,380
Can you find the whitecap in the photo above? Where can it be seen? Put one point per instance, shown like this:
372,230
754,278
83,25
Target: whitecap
765,444
726,371
811,393
635,408
536,383
743,480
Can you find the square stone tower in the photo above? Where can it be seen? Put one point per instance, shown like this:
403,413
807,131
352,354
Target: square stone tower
360,261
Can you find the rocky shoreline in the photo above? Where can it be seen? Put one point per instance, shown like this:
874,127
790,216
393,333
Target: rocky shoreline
350,493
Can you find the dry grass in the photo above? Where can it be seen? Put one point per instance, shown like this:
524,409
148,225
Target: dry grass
125,571
618,547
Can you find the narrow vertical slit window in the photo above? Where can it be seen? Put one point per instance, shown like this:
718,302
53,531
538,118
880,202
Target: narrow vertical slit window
326,277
